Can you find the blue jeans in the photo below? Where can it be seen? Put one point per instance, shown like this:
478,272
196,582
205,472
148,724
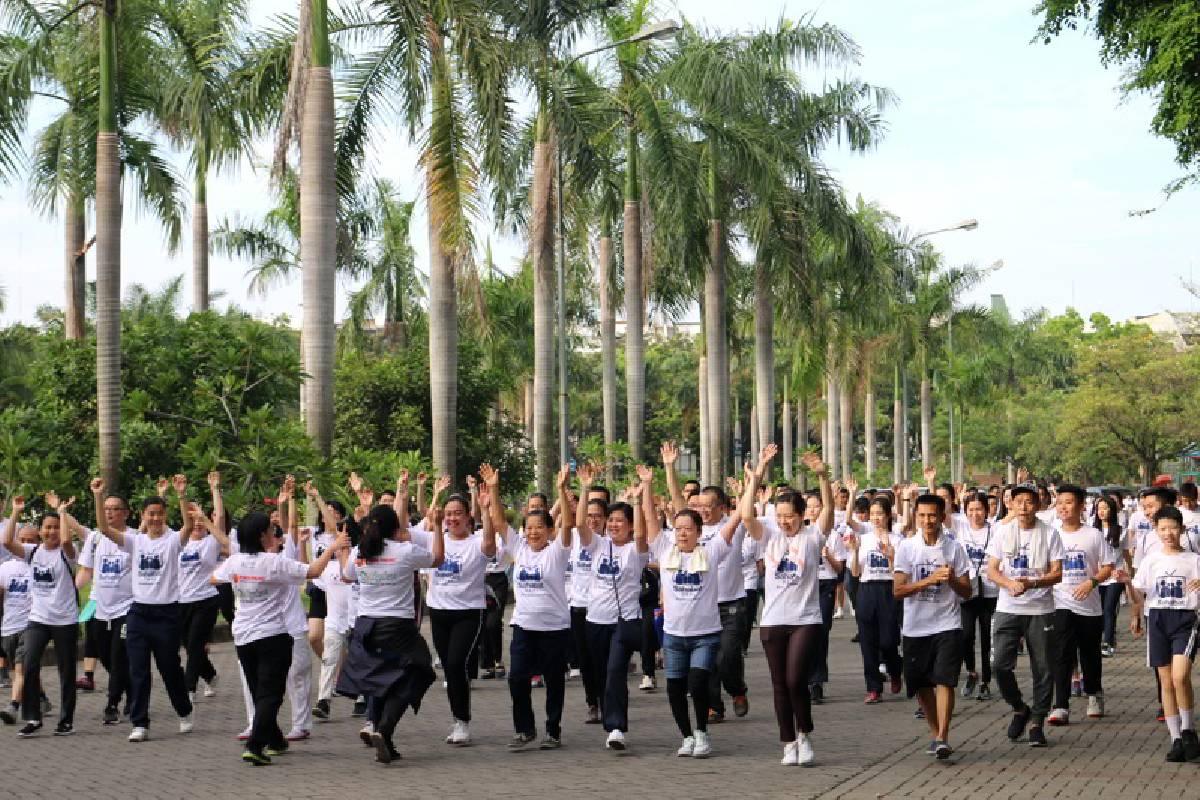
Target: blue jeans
681,653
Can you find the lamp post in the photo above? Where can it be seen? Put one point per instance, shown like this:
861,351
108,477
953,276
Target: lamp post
649,32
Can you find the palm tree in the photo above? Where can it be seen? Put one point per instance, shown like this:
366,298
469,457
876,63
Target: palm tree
108,251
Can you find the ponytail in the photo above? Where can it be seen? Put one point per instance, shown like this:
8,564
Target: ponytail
381,524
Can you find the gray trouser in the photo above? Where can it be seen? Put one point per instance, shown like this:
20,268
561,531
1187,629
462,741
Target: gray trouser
1036,630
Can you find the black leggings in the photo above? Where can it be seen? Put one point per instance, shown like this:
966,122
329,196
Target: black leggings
696,682
977,613
650,646
493,621
65,638
593,681
791,651
1110,596
110,644
199,619
750,617
456,640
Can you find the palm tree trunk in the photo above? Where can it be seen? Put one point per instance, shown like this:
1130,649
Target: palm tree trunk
443,354
608,348
635,348
825,437
898,455
846,419
527,409
755,436
764,357
926,421
108,257
786,415
802,432
200,242
74,236
868,424
704,422
736,418
318,232
542,247
716,328
834,405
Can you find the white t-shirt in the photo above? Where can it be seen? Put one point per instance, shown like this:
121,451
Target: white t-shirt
1118,555
751,553
155,566
197,560
458,582
690,597
14,580
262,583
1031,601
51,586
873,564
835,544
975,544
1164,578
1084,552
579,570
297,622
385,583
935,609
730,585
540,585
112,578
616,584
791,577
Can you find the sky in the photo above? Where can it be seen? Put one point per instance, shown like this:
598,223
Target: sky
1032,140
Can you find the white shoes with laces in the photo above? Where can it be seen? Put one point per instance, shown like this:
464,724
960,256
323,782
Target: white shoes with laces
703,745
685,749
790,759
804,751
460,734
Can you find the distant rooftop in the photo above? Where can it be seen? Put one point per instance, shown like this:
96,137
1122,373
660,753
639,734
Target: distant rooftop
1180,328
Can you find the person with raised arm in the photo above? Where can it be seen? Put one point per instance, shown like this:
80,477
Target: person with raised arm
877,613
263,580
153,624
670,456
199,600
591,515
53,612
15,577
335,594
495,579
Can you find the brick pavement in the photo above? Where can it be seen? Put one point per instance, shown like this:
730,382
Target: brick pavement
862,752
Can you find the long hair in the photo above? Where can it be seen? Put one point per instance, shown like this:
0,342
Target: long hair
1112,531
885,506
381,524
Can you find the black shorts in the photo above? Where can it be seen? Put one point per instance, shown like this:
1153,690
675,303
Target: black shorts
318,608
933,660
1171,632
13,647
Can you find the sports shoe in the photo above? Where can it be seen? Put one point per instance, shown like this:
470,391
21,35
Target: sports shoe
931,749
86,684
1176,754
685,749
854,639
536,682
111,715
1037,736
321,710
985,692
460,734
29,729
872,698
360,708
276,749
186,724
139,735
501,671
703,745
1059,717
969,687
244,736
550,743
1019,720
1076,688
1160,716
255,759
521,741
1107,651
816,694
790,756
1095,709
649,683
616,741
838,613
364,734
593,716
804,751
572,674
298,735
919,713
437,662
715,717
384,751
943,751
1191,745
895,685
487,675
8,715
210,687
64,729
741,706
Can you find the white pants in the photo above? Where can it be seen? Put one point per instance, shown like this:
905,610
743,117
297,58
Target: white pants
299,687
331,660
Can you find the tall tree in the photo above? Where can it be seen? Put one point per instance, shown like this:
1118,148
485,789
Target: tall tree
108,250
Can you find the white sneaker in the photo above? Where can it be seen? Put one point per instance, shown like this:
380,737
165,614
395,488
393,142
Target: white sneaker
616,741
139,735
790,759
1058,716
437,662
648,684
573,674
186,724
703,745
687,748
460,734
210,687
838,614
1095,706
804,751
192,698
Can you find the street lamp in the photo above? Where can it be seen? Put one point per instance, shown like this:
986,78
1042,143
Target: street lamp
649,32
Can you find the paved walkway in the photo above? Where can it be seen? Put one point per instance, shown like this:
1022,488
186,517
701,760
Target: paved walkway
862,751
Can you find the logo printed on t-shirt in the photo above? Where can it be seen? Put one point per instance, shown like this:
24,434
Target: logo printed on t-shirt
530,577
449,569
43,575
18,586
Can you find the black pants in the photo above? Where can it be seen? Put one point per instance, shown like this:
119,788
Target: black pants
1076,640
612,646
731,667
537,653
91,647
977,614
455,638
1110,597
827,595
199,619
265,663
878,632
225,593
493,621
66,648
153,630
110,647
852,584
593,679
791,651
650,646
752,600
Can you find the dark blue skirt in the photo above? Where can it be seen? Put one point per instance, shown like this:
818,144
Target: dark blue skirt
386,655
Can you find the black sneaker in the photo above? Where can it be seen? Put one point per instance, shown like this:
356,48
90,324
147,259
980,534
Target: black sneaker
1037,737
1176,754
817,691
550,743
8,716
360,708
321,709
64,729
111,715
256,759
521,741
384,751
29,729
943,751
1191,745
984,693
1019,721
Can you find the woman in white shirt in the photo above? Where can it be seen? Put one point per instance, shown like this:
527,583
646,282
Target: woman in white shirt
975,538
388,659
53,612
877,613
262,581
199,600
792,624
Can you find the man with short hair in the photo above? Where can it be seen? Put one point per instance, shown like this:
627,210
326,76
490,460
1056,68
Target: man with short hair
730,672
932,576
1025,561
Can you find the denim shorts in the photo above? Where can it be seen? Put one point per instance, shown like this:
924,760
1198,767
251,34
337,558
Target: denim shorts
681,653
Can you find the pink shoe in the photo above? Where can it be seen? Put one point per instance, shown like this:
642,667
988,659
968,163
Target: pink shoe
298,736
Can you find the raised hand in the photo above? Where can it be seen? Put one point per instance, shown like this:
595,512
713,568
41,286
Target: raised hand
670,453
356,483
214,479
929,473
160,486
1023,475
52,500
644,473
18,504
587,474
441,485
401,481
310,490
764,458
489,475
97,485
852,487
422,478
813,462
484,498
732,486
471,483
289,484
180,484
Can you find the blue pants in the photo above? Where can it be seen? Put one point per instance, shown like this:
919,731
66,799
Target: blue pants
538,653
877,613
611,648
154,630
827,593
